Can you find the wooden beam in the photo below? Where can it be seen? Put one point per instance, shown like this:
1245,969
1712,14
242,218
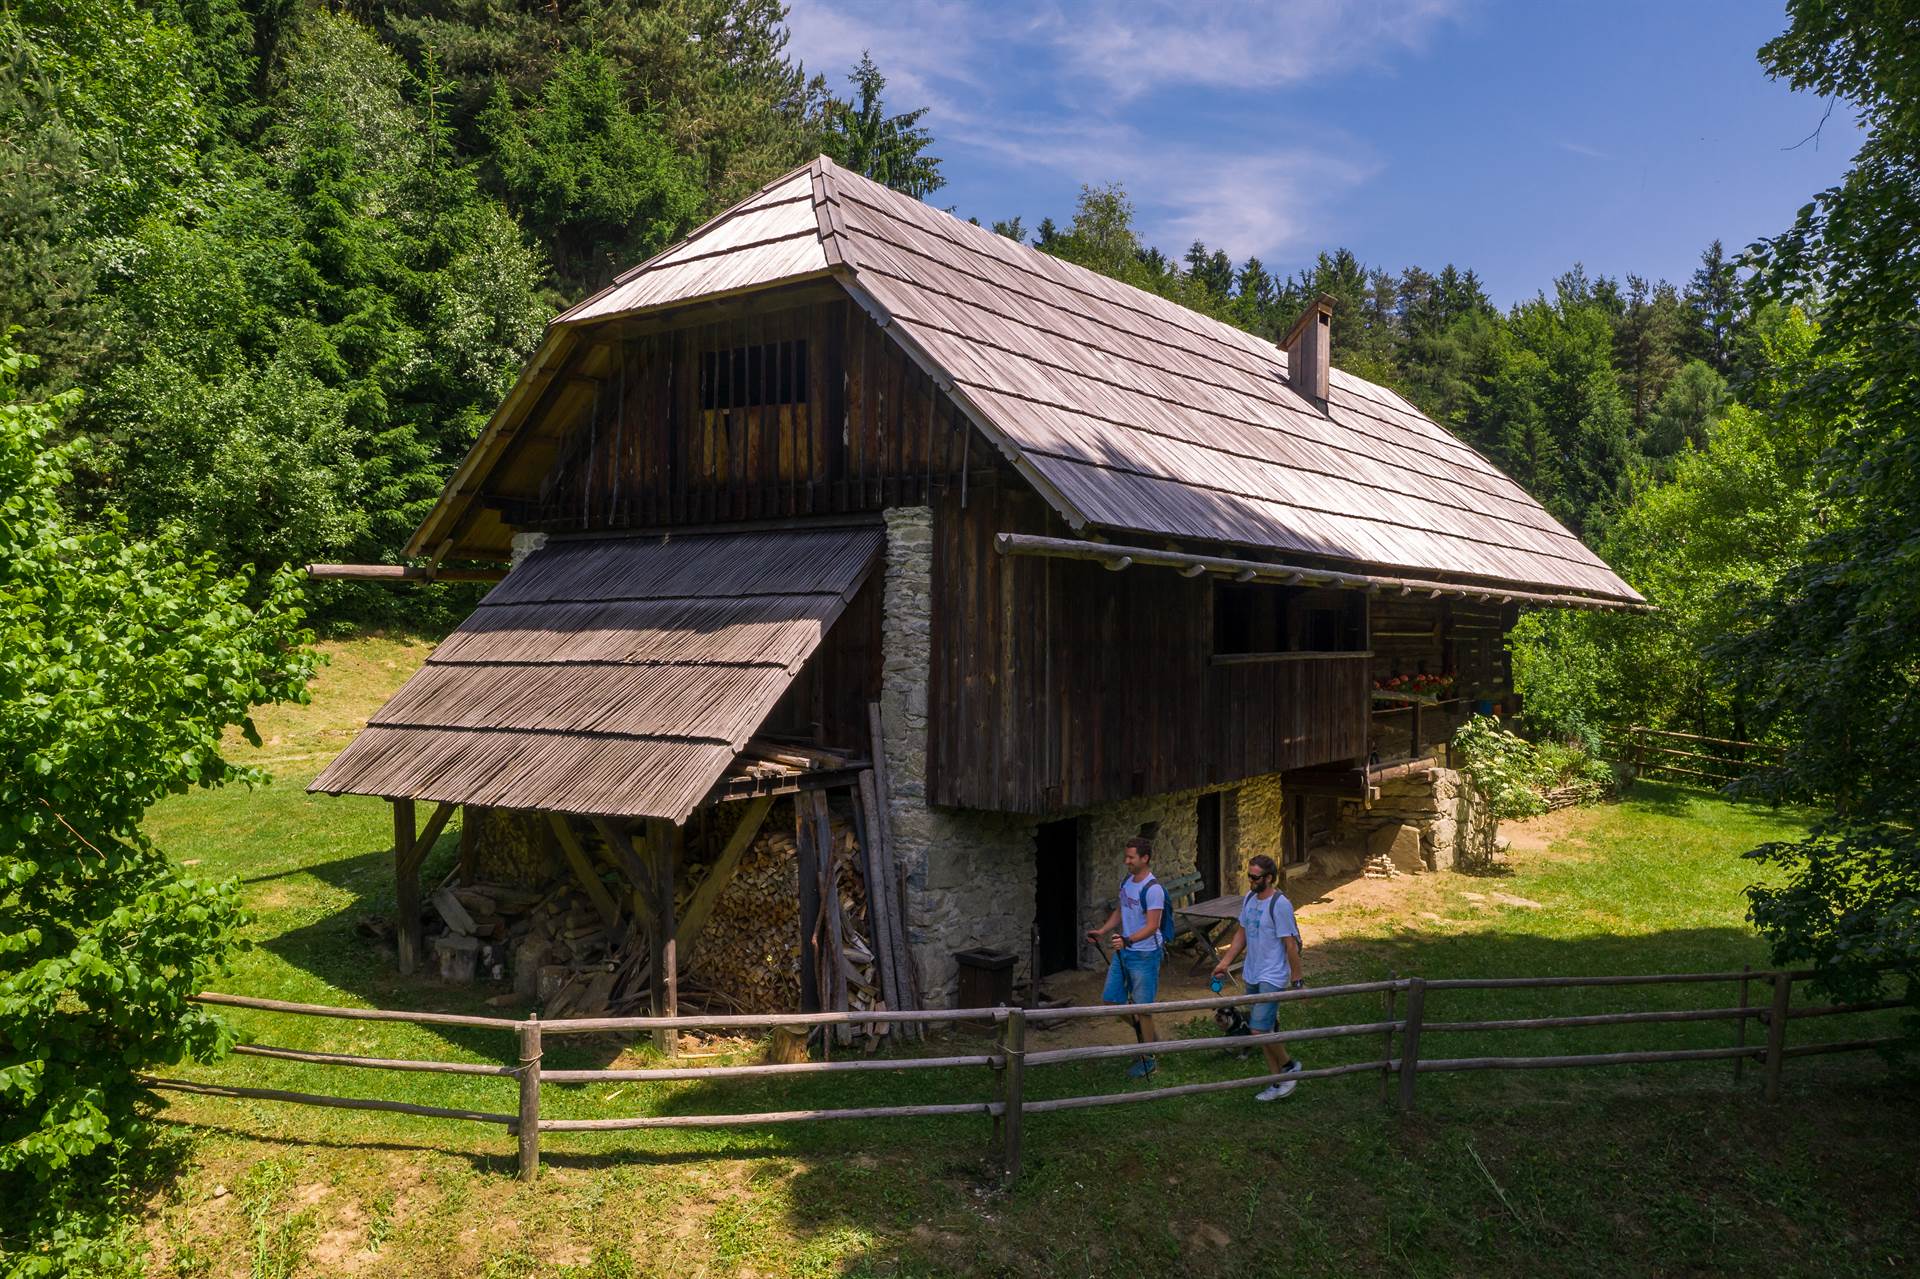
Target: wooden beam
423,843
707,895
620,844
401,573
583,869
408,938
1244,570
1343,783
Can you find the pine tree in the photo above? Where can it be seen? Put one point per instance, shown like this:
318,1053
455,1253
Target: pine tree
892,150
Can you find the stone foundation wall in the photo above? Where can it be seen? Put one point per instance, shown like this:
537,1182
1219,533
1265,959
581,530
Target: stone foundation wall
1262,828
970,875
1428,821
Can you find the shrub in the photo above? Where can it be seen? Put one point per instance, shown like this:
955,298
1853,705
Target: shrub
121,664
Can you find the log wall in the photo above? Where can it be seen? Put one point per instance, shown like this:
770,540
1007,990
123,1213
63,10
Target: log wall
1057,684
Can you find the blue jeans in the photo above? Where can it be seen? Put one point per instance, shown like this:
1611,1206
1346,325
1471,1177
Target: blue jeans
1262,1018
1133,977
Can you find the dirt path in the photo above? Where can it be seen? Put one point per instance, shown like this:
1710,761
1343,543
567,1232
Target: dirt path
1332,908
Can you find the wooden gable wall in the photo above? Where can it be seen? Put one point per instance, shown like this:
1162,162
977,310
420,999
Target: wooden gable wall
765,414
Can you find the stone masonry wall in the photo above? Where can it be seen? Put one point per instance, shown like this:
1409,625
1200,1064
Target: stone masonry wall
1428,821
970,875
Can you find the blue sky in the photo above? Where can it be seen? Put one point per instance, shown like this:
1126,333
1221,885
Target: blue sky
1513,138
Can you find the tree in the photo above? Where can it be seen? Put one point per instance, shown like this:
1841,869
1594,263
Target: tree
599,177
1836,644
1714,302
124,664
1647,344
890,149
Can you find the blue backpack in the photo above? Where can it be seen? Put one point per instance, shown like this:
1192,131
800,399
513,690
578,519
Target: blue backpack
1166,910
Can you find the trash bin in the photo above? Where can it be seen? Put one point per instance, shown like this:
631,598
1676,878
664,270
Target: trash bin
986,978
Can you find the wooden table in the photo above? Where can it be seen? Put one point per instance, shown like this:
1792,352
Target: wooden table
1210,919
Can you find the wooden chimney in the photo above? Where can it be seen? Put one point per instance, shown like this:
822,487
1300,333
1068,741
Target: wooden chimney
1309,348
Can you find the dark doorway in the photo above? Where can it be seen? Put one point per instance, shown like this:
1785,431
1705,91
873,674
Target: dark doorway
1056,896
1207,846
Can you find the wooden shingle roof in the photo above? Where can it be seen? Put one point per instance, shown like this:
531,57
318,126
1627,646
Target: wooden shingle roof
615,676
1126,411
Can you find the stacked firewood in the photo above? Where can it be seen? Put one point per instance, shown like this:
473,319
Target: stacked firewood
749,953
851,950
550,940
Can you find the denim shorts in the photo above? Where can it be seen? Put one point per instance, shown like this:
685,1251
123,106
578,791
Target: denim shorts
1140,983
1263,1017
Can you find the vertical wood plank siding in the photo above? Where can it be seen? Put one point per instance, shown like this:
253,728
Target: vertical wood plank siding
871,431
1057,684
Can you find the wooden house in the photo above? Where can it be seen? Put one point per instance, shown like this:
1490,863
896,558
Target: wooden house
1099,561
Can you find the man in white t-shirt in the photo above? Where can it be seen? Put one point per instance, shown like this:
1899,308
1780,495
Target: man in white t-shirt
1133,930
1271,939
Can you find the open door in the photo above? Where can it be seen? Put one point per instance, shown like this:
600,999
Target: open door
1056,905
1207,847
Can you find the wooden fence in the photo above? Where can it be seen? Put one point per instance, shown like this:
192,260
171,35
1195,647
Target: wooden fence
1404,1015
1713,760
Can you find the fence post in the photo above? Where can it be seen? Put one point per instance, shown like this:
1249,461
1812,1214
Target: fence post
1777,1032
529,1124
1386,1047
1740,1027
1012,1091
1410,1040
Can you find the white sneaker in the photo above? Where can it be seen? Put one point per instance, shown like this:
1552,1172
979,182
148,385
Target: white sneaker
1274,1092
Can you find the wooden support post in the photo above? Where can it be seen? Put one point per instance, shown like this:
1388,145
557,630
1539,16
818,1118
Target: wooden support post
1777,1032
1013,1091
1386,1045
665,838
1740,1026
529,1123
1410,1041
809,907
408,937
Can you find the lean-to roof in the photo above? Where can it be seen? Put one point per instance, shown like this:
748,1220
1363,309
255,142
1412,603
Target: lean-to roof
1126,411
614,676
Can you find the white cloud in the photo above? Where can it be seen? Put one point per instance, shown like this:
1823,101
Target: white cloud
1581,148
1053,87
1150,44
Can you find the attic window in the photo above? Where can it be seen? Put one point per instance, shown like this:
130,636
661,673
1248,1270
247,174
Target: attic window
749,376
1254,621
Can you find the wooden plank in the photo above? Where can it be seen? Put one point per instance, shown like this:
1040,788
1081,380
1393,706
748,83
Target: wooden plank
809,857
583,870
834,996
700,905
905,986
880,903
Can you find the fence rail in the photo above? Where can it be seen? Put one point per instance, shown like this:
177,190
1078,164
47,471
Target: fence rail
1403,1000
1714,759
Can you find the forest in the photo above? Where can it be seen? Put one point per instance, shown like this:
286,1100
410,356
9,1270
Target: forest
267,267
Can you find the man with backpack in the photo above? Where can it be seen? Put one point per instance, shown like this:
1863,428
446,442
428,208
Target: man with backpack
1137,930
1271,939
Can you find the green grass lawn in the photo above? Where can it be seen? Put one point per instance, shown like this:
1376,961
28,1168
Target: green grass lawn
1640,1169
